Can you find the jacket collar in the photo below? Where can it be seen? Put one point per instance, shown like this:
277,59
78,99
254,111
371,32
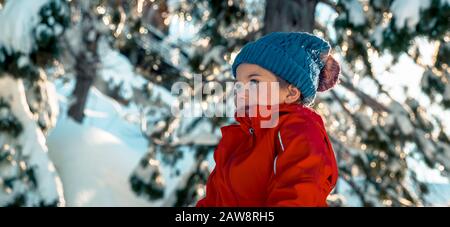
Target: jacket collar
254,124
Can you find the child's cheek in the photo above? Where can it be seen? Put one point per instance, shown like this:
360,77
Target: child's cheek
265,93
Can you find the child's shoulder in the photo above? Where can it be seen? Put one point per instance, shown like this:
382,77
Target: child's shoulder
301,114
303,119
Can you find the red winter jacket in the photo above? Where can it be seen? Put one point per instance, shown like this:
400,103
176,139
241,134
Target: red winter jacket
292,164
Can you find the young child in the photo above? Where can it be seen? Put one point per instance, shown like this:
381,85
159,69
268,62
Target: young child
293,163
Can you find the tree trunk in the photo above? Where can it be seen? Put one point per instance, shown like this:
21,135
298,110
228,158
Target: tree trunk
86,70
86,66
289,15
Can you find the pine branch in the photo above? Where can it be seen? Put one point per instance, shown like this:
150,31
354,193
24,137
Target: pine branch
347,176
374,104
365,98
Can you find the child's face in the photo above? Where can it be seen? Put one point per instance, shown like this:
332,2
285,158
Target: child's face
269,89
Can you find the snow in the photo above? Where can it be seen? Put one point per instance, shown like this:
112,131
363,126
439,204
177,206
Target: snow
95,172
171,52
52,101
33,142
407,12
18,18
401,117
439,194
104,113
22,61
118,145
424,173
94,165
356,12
403,74
58,29
117,69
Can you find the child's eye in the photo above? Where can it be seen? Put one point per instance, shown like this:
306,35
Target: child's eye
238,87
253,81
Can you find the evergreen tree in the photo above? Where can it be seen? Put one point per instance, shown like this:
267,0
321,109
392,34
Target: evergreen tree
28,109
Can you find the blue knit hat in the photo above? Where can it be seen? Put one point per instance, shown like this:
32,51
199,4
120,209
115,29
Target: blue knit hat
293,56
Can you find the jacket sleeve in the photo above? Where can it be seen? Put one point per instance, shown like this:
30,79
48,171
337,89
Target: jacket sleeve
302,168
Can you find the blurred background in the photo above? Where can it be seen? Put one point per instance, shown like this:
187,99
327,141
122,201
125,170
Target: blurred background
85,97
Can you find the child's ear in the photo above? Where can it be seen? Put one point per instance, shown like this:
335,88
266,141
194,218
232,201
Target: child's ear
293,94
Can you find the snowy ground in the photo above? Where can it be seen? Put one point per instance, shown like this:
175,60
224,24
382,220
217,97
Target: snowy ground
94,165
96,159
